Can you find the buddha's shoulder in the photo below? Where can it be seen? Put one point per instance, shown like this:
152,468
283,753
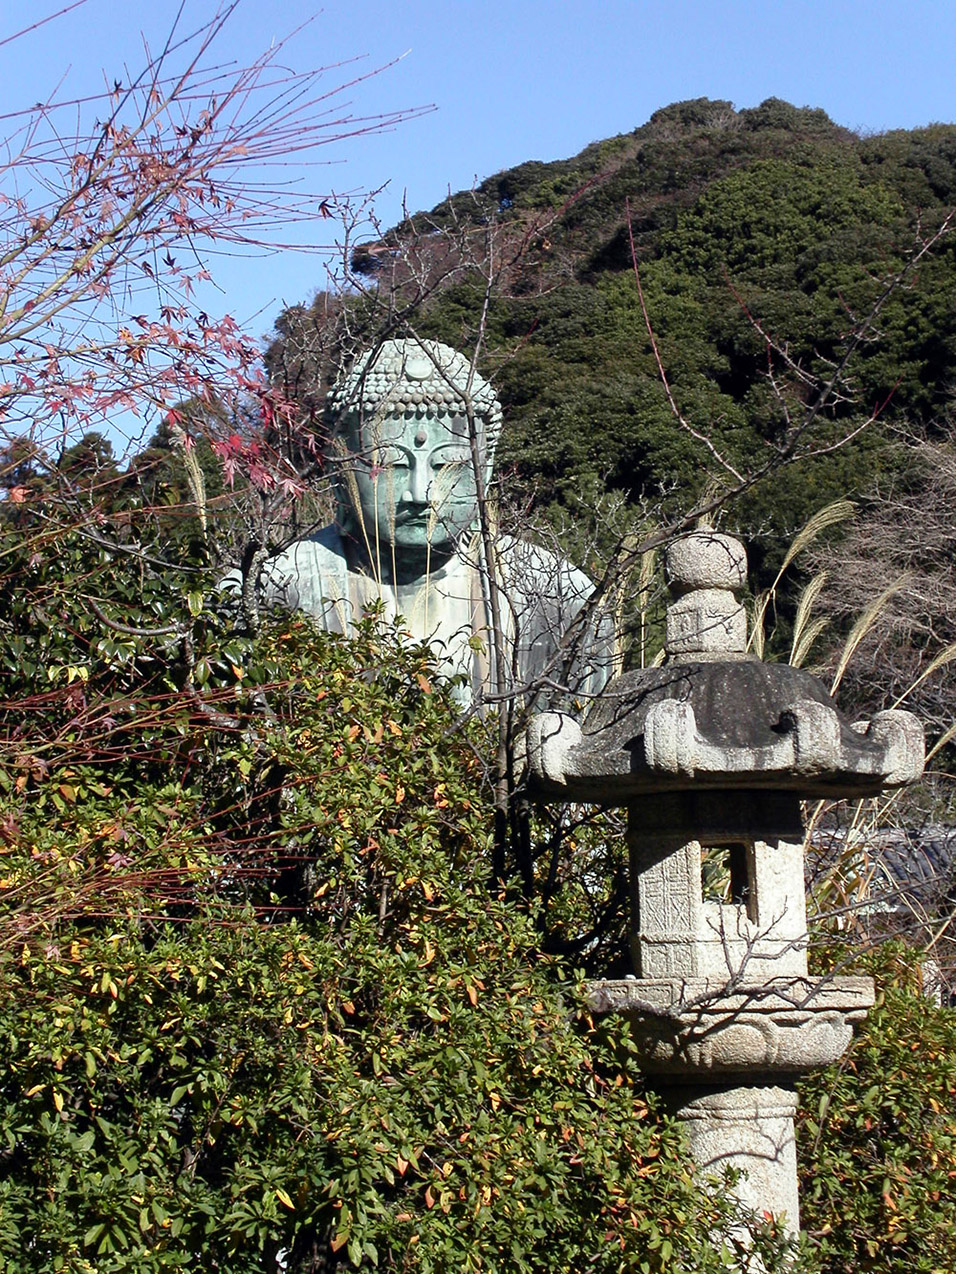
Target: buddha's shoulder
323,550
310,575
538,568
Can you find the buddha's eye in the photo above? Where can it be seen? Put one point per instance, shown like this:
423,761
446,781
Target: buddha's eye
445,457
388,458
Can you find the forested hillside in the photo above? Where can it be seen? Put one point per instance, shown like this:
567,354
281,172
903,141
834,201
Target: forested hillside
764,239
796,285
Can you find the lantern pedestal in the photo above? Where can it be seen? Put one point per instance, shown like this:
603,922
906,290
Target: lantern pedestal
749,1129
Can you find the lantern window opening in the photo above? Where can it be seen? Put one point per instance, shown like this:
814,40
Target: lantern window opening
727,875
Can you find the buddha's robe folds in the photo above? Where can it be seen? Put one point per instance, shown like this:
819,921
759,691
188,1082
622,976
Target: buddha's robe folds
449,607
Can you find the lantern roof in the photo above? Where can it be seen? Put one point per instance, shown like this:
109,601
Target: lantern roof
713,715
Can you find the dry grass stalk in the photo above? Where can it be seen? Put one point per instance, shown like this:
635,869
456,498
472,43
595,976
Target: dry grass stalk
804,632
862,627
830,515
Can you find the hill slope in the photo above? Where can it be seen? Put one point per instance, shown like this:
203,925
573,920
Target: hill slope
764,238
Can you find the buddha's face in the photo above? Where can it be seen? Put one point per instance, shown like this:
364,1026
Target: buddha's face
414,484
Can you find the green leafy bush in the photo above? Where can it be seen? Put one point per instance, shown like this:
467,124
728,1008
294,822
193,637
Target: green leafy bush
260,1007
877,1136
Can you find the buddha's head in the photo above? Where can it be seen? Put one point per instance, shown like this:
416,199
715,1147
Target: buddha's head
405,475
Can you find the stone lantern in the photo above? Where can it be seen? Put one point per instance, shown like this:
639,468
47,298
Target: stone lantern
712,753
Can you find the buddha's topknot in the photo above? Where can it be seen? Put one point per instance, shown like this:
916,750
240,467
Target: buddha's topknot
414,378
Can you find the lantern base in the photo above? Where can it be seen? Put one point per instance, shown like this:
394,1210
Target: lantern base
698,1029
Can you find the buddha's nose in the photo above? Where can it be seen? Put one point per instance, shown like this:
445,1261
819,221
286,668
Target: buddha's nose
416,487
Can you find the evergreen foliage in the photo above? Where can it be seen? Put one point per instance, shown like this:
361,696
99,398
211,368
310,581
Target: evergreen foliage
261,1007
877,1145
772,216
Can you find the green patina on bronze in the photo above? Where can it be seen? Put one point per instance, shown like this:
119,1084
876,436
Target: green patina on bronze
414,433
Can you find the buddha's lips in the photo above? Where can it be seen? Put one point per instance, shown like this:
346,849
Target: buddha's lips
425,517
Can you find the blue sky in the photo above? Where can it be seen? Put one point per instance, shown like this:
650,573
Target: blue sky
527,79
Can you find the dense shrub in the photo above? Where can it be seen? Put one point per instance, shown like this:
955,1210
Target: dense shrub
260,1007
877,1135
